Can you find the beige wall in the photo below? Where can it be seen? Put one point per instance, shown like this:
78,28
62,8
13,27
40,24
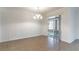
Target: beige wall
77,24
18,23
68,23
49,14
0,25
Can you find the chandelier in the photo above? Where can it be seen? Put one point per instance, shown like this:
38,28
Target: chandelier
37,15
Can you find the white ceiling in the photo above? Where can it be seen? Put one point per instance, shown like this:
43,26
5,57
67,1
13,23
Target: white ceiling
36,8
33,9
43,9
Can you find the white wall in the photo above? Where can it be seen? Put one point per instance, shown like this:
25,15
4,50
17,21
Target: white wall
72,17
77,25
18,23
49,14
68,23
44,26
0,25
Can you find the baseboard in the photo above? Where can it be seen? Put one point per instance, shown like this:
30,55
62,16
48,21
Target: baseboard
44,35
68,41
19,38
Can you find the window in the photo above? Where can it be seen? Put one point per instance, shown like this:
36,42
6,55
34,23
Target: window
50,25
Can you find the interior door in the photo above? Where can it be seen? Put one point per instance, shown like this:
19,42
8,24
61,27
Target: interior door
54,31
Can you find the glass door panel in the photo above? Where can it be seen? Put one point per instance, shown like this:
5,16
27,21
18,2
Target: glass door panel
54,31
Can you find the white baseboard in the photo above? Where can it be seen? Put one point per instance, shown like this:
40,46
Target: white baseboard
19,38
68,41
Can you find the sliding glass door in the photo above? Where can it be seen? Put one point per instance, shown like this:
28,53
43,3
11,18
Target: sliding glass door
54,30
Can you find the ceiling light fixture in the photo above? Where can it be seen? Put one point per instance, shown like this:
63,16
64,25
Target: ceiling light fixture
37,15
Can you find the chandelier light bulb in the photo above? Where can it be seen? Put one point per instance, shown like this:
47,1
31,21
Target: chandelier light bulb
38,16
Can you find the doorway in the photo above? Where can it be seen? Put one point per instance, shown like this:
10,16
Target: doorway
54,31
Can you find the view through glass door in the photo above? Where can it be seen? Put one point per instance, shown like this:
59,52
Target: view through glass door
54,31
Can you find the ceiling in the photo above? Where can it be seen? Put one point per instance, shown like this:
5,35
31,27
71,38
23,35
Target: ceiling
32,9
43,9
